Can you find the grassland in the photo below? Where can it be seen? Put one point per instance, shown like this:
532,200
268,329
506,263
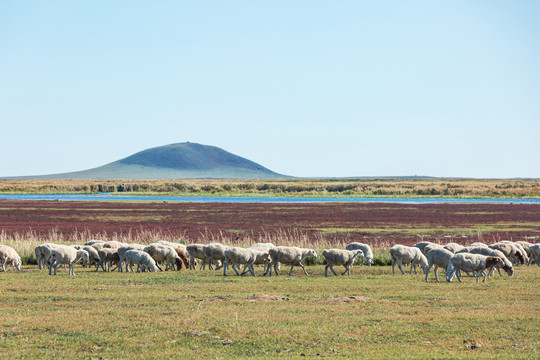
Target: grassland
196,314
362,187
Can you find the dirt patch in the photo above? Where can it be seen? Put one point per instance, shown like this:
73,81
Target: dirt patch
267,298
345,299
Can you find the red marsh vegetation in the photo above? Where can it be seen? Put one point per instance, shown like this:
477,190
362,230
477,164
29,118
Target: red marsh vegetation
375,222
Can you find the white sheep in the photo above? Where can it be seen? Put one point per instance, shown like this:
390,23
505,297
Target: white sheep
438,258
525,245
453,247
475,263
340,257
181,247
403,255
213,252
92,242
241,256
366,250
288,256
142,259
520,248
8,255
495,253
107,257
121,252
43,252
160,252
196,251
510,251
477,244
66,255
421,245
267,245
535,254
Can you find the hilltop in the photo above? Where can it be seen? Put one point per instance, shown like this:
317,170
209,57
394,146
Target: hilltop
175,161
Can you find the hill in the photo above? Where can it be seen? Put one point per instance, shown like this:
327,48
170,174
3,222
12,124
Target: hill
175,161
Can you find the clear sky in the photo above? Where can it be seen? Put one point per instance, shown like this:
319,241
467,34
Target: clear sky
305,88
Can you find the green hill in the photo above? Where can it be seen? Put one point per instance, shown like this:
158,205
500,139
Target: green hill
175,161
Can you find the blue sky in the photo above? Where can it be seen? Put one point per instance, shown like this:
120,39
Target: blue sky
305,88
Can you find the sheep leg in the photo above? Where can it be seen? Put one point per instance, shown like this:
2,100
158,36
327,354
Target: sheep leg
233,266
72,269
331,268
399,266
275,270
305,272
347,270
290,272
427,272
435,271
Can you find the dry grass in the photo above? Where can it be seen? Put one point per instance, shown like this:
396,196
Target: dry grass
290,187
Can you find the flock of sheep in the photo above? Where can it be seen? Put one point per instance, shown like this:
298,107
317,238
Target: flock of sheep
478,258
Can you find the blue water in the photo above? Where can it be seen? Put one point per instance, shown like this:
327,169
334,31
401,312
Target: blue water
210,199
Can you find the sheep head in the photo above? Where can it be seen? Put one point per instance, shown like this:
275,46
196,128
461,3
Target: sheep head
520,257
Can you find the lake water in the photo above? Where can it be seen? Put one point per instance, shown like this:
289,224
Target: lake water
108,197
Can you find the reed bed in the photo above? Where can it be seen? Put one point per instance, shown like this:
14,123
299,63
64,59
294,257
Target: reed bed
355,187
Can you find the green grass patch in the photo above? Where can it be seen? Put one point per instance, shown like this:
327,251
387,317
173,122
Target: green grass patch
202,314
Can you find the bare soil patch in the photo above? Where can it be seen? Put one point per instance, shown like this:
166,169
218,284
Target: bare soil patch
345,299
256,298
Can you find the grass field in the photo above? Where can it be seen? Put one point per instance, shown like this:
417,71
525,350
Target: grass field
195,314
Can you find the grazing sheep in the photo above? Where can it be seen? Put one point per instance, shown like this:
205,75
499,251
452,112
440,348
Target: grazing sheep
195,251
366,249
288,256
267,245
121,252
510,251
520,249
477,244
93,255
213,252
535,254
403,255
495,253
525,245
475,263
438,258
43,252
8,255
112,244
421,245
98,245
142,259
242,256
66,255
160,252
340,257
108,257
453,247
92,242
430,247
183,260
181,247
